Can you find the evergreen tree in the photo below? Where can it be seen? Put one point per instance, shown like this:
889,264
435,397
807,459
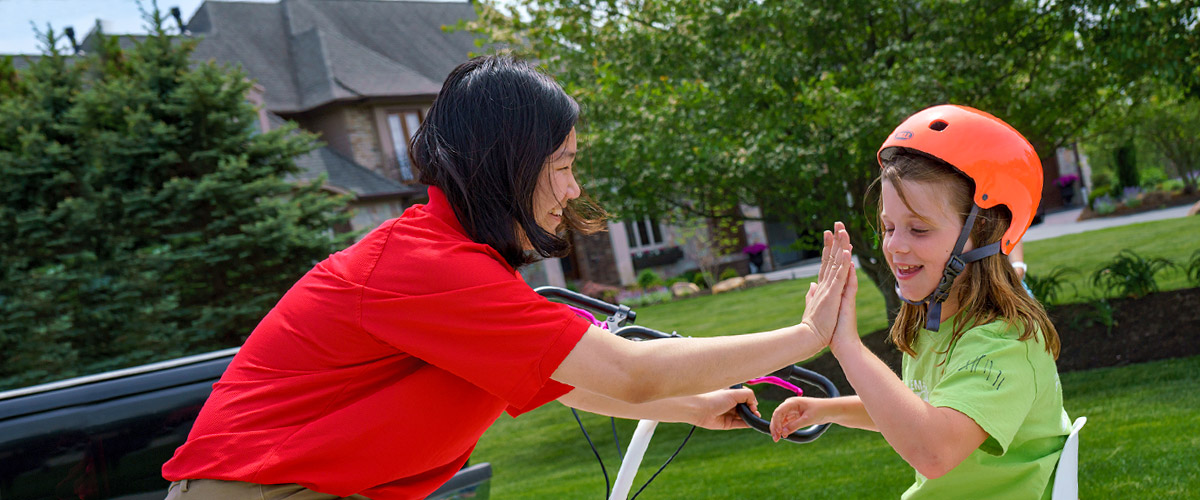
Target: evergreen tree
143,215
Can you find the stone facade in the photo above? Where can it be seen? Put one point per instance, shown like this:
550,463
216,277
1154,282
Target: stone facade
596,259
364,141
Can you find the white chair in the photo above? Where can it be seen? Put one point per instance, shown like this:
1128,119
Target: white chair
1066,475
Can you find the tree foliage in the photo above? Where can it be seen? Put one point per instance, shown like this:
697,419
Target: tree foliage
701,107
143,215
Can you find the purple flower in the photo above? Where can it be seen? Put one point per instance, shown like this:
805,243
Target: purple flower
1066,180
754,248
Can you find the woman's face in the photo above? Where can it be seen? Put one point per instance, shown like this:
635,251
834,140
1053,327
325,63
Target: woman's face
555,186
917,248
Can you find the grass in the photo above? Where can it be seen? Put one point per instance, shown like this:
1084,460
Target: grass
1139,441
1172,239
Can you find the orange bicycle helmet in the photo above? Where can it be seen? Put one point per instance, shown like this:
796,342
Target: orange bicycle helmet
1004,166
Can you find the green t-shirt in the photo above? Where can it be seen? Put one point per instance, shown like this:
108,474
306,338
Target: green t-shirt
1011,389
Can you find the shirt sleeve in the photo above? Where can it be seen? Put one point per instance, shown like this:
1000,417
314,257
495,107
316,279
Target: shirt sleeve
501,336
550,392
990,380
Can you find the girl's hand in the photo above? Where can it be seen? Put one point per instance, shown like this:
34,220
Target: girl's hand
716,410
796,413
846,333
824,297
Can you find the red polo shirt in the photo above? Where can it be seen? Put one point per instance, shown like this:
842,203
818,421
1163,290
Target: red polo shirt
380,369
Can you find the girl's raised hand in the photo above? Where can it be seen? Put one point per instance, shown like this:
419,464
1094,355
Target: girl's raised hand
846,331
824,297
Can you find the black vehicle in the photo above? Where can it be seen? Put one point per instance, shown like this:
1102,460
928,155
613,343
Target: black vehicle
106,436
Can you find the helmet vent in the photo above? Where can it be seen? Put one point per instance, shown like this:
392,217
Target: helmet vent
939,125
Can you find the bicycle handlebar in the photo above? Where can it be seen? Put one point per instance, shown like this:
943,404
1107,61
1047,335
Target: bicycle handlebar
584,300
794,374
619,314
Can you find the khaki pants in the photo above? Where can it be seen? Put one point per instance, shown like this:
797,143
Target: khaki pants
203,489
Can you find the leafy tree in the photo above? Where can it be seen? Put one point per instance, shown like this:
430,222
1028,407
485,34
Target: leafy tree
706,240
143,215
697,106
1171,122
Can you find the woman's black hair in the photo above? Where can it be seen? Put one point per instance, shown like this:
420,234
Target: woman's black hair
484,142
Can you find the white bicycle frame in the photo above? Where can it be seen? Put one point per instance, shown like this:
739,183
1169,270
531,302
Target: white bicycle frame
636,450
633,459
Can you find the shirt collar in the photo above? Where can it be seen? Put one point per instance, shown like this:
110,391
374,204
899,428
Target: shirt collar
439,207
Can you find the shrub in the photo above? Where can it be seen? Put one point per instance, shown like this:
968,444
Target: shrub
1151,177
648,279
1101,180
1104,205
1101,312
1097,194
142,216
1127,170
1171,186
699,278
1046,287
645,299
1193,268
1130,274
729,272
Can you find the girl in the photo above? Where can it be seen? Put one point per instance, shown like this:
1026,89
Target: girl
376,374
979,411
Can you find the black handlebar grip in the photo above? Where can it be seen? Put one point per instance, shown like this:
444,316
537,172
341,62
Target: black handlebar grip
805,435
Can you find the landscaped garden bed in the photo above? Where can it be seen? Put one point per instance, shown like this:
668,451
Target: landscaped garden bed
1096,334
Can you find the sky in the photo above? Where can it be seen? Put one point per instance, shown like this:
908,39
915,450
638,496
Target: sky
119,16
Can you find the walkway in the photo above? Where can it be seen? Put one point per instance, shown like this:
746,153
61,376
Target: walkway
1054,225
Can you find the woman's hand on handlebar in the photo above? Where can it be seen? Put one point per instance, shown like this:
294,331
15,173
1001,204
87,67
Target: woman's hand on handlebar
824,298
716,410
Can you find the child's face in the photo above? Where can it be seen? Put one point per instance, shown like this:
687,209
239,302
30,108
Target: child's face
917,248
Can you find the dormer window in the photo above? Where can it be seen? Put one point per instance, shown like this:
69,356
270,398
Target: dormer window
402,126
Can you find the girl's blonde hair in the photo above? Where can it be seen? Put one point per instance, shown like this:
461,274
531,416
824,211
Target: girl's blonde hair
987,289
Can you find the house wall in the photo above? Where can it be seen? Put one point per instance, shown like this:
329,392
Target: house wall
365,141
369,214
349,130
1051,197
544,272
596,258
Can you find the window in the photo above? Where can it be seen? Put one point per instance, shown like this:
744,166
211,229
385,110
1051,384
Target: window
402,125
644,234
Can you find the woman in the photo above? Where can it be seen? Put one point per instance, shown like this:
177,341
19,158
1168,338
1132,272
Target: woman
376,374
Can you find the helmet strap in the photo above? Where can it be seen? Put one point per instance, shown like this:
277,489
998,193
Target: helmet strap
954,267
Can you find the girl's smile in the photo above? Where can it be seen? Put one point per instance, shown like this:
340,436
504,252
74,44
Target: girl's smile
918,236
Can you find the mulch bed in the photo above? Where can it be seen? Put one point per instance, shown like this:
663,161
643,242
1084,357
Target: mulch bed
1150,201
1158,326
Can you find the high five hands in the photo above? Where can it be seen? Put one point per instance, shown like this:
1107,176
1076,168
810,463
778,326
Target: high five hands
830,313
826,297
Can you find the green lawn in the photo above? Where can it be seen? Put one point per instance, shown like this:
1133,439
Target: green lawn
1140,441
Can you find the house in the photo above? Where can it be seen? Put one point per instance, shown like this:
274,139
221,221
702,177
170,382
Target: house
362,74
359,73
